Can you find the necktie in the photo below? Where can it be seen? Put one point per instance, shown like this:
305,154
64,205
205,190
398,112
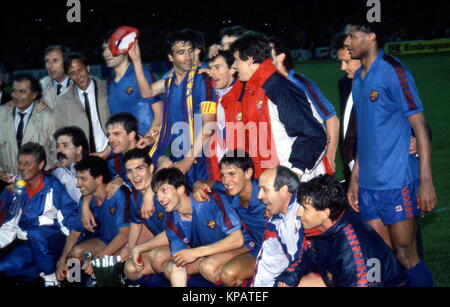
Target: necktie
19,134
87,108
58,89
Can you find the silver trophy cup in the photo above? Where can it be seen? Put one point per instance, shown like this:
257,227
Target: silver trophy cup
107,270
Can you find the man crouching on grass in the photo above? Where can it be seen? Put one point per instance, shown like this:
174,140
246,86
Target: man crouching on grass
344,250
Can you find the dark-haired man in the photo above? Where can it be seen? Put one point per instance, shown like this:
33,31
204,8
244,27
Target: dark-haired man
281,127
343,250
113,215
227,37
72,146
389,186
57,82
84,105
48,214
23,123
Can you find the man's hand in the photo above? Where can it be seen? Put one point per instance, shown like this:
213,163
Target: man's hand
413,146
41,106
113,186
427,196
137,260
184,257
135,52
87,268
331,162
125,254
148,207
61,268
200,191
103,154
214,50
352,195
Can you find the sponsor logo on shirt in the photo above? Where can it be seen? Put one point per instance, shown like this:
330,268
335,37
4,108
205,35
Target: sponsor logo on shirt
211,224
238,116
374,96
260,104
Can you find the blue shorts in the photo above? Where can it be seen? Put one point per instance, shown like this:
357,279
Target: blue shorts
391,206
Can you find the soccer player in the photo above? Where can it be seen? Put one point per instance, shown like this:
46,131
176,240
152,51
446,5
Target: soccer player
140,173
72,146
200,233
236,169
112,214
322,108
389,187
281,127
343,250
48,223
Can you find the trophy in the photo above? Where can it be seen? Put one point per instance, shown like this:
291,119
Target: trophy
107,270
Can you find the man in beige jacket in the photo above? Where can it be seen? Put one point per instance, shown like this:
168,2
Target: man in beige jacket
23,123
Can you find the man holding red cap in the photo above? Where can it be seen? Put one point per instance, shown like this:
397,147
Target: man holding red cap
129,89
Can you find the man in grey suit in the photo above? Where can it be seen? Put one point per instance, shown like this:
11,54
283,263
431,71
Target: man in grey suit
84,104
57,82
23,123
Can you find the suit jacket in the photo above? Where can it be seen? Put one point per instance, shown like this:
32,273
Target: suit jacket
347,146
40,129
69,111
49,91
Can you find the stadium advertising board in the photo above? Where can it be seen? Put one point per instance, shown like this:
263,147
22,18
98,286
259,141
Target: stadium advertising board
413,47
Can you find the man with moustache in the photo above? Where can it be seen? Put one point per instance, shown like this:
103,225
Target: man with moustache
24,123
57,81
72,146
85,104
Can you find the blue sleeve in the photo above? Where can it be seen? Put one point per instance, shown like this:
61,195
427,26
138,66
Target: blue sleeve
322,105
203,91
112,169
218,186
122,201
134,210
151,78
404,91
175,242
68,207
229,221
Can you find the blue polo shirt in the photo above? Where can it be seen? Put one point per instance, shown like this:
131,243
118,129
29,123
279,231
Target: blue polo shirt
322,105
253,218
212,221
112,215
124,96
156,222
384,100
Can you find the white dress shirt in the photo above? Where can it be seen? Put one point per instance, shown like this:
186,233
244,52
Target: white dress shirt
25,118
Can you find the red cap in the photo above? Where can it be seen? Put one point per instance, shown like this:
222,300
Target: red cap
122,40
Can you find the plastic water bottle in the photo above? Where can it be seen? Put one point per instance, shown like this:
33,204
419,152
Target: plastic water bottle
19,196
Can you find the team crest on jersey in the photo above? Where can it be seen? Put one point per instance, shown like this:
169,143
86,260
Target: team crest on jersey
211,224
260,104
399,208
238,116
374,96
129,90
251,244
112,211
160,216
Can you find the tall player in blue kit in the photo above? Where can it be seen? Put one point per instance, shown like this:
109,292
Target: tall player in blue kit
389,187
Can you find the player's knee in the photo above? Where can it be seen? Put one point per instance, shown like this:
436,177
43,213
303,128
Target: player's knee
209,269
228,277
157,260
168,269
129,270
77,252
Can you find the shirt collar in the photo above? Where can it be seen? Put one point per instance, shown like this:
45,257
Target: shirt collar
264,71
64,83
89,90
28,110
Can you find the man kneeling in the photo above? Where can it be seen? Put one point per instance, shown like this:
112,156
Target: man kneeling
343,250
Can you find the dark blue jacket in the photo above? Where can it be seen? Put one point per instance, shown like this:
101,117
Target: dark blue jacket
349,254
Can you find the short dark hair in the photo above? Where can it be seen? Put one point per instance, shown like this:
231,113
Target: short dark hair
252,44
232,31
77,135
226,54
280,46
285,177
338,40
198,40
137,153
127,120
96,167
325,192
171,176
75,55
34,149
359,21
176,37
238,158
35,86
